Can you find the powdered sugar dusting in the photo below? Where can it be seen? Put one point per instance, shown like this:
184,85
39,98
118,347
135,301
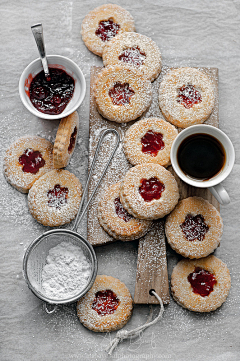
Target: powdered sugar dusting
90,25
66,271
139,50
182,290
14,171
38,200
139,88
110,322
170,104
117,227
175,235
134,203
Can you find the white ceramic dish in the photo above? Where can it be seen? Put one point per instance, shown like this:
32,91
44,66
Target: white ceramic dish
56,61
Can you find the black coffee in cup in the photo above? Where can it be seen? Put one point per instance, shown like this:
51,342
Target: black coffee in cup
201,156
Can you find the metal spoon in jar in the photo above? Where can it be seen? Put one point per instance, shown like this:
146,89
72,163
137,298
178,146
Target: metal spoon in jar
37,31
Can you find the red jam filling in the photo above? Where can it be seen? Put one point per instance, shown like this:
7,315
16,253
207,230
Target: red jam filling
151,189
194,227
107,29
152,142
202,281
105,302
121,93
133,56
188,96
57,197
51,96
120,211
31,161
72,140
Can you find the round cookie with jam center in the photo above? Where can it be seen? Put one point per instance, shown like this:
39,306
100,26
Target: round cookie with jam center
122,93
65,141
26,160
134,49
107,306
54,198
102,24
149,191
116,221
200,285
186,97
149,140
194,228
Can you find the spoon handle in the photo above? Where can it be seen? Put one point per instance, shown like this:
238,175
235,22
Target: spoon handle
37,31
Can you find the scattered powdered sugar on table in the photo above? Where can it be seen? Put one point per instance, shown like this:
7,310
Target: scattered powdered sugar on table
66,271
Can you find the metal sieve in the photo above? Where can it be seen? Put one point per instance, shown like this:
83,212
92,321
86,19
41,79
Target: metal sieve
37,252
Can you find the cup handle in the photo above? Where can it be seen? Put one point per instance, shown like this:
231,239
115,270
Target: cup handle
220,193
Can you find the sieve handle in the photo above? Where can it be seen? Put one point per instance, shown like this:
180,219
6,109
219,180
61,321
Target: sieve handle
103,134
49,308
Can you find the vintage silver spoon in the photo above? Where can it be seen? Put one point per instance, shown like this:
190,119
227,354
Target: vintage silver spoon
37,31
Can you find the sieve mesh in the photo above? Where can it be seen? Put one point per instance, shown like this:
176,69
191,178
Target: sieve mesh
35,259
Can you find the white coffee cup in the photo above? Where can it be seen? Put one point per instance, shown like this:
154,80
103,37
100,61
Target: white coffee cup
213,183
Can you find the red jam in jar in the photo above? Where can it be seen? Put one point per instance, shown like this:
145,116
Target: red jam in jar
107,29
120,211
105,302
188,96
202,281
151,189
133,56
194,227
152,142
51,96
121,93
31,160
57,197
72,140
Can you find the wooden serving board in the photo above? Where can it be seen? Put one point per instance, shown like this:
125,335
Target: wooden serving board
152,263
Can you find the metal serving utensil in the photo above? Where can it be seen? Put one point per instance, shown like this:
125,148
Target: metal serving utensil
36,253
37,31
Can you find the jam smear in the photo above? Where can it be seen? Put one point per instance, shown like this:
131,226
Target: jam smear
72,140
202,281
194,227
105,302
120,211
121,93
107,29
31,160
51,96
188,95
151,189
152,142
133,56
57,197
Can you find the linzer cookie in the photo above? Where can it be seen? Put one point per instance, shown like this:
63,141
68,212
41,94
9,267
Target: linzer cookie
149,141
139,51
186,96
65,141
107,306
122,93
54,198
200,285
116,221
149,191
194,228
102,24
26,160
